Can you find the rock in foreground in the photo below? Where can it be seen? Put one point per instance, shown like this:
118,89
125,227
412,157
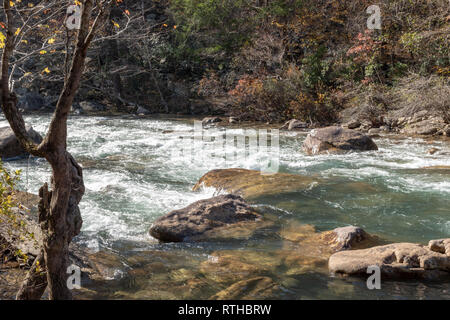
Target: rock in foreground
347,238
204,219
336,140
398,260
10,146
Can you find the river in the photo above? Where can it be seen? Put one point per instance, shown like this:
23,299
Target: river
134,175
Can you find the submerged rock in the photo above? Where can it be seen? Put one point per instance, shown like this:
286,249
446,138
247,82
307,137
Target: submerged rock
205,219
339,239
10,146
229,266
335,140
443,169
251,183
251,289
398,260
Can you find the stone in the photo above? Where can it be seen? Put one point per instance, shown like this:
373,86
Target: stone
335,140
294,124
354,124
398,260
211,120
233,120
433,150
204,219
345,238
441,246
142,111
424,127
89,106
252,184
252,289
10,146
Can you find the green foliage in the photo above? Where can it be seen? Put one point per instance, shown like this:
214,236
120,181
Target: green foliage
208,27
282,8
316,70
8,183
7,186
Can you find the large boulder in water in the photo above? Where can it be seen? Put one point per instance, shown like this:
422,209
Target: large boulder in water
204,219
397,260
252,184
10,146
336,139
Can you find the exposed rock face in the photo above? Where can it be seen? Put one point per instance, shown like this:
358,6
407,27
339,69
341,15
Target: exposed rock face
251,289
335,140
252,184
204,219
294,124
424,127
398,260
10,146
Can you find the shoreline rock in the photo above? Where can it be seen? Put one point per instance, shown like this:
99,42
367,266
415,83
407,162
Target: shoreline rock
294,124
336,140
397,260
10,147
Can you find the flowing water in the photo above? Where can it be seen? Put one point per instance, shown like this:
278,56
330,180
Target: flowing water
134,174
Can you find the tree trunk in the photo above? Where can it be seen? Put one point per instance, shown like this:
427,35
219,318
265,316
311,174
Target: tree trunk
60,220
59,215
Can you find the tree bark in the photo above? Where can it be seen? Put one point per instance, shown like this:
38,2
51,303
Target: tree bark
59,214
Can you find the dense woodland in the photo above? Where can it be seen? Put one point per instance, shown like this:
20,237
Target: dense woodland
257,60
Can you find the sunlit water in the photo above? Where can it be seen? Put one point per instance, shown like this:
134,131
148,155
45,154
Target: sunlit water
134,173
